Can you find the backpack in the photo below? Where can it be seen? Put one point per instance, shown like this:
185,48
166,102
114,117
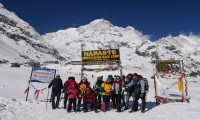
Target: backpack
69,84
146,84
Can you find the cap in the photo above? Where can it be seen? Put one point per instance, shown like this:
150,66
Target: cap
83,78
57,75
71,78
130,74
135,74
107,80
140,76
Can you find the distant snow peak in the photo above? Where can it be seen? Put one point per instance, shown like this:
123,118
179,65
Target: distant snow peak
1,5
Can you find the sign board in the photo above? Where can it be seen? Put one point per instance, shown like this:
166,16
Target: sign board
100,56
169,68
44,75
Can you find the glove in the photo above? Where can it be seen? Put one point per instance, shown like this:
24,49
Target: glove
141,95
123,88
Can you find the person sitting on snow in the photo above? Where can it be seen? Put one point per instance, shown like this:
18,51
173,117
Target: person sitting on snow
90,97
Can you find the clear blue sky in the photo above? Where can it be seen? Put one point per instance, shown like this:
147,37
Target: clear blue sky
158,18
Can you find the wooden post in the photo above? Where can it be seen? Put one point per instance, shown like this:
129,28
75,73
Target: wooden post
120,63
182,80
29,84
157,101
82,60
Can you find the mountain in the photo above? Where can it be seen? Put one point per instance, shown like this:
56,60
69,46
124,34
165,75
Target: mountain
182,47
19,42
135,48
99,34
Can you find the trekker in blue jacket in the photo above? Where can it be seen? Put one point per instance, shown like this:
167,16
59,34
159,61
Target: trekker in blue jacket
56,90
138,92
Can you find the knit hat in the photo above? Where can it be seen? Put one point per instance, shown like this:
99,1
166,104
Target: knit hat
83,78
57,75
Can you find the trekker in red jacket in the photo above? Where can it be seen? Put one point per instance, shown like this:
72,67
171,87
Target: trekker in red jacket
72,94
71,81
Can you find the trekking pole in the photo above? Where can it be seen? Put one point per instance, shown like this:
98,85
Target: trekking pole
47,98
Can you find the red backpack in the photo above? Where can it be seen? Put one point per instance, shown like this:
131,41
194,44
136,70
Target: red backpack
68,84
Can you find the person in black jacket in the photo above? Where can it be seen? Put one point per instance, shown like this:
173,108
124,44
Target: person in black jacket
57,85
129,88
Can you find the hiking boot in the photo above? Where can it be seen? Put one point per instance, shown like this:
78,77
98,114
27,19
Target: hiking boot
126,108
96,111
142,111
132,111
118,111
85,111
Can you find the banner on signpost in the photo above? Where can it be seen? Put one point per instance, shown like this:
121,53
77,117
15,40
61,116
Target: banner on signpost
43,75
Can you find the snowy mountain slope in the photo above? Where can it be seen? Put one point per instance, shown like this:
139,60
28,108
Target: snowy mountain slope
99,34
21,41
135,48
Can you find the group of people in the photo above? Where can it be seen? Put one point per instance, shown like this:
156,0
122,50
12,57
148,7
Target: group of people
99,96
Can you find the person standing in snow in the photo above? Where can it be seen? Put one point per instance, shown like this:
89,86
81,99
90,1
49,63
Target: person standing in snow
129,88
82,86
72,94
138,92
106,89
71,81
143,97
117,89
56,85
112,80
97,89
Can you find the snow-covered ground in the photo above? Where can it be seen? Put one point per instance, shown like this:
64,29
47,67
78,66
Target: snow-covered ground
13,106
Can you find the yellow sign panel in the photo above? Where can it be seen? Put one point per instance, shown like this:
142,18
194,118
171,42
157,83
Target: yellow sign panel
168,65
100,56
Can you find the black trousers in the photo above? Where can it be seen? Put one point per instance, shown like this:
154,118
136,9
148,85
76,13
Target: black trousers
65,100
93,105
106,100
57,95
113,100
99,101
117,99
136,97
79,100
71,101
